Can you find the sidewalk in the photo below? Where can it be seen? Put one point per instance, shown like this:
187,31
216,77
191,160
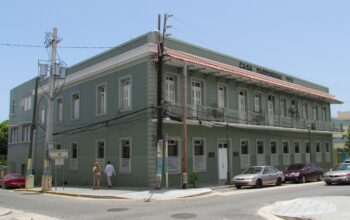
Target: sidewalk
315,208
144,194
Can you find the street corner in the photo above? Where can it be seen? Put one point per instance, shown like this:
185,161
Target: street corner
4,211
300,208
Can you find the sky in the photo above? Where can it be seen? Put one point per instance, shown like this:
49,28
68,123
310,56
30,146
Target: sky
306,39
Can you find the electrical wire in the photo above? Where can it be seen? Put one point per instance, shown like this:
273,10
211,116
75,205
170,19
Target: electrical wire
63,47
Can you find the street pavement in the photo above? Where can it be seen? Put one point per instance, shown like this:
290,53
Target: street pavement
318,208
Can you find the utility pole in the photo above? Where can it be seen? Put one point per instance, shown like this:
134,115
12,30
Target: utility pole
29,175
160,152
184,179
47,178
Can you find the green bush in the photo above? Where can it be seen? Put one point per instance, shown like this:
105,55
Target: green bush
193,178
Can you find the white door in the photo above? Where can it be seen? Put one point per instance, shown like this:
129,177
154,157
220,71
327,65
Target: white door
241,106
222,160
270,111
221,97
196,97
170,89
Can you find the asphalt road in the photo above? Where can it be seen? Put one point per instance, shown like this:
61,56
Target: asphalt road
224,204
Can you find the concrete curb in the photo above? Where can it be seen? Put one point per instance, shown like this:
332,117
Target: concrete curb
265,212
4,211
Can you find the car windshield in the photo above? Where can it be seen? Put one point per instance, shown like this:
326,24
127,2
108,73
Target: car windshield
253,170
296,167
342,166
16,176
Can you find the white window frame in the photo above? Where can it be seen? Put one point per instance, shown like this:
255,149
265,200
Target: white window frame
75,113
327,153
166,92
59,109
244,158
284,111
242,114
273,156
260,157
196,169
13,108
299,153
122,99
43,114
26,102
225,88
286,156
305,111
98,100
73,162
101,161
318,154
121,170
26,129
258,106
174,159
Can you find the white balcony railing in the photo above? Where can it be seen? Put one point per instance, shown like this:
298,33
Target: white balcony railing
208,113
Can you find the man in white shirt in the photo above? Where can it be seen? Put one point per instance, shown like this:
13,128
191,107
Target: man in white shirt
109,171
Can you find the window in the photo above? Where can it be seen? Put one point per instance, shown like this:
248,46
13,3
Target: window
43,114
59,110
285,147
13,134
199,162
318,147
13,107
26,103
125,160
315,112
170,88
257,102
125,94
58,147
101,100
296,148
324,114
273,147
283,107
75,106
305,111
327,147
260,147
307,147
74,151
73,161
26,133
242,105
244,147
222,96
100,150
173,155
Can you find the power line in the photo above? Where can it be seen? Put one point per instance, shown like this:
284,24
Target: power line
62,47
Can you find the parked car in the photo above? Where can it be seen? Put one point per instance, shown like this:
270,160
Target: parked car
346,161
259,176
341,174
303,172
12,180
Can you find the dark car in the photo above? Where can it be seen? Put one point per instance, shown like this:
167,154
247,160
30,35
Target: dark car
12,180
303,172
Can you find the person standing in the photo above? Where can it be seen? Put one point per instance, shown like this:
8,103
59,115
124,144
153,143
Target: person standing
96,172
109,171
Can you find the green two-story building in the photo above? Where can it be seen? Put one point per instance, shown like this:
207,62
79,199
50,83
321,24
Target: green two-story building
237,114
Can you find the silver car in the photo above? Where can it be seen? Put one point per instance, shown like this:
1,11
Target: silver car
341,174
259,176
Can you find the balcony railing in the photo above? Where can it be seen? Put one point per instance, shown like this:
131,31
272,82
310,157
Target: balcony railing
252,118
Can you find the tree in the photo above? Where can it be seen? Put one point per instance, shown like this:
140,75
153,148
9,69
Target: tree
3,141
346,136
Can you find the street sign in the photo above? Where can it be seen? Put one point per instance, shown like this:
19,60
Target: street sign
159,163
58,154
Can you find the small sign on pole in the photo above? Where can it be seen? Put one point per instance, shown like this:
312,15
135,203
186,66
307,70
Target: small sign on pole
159,163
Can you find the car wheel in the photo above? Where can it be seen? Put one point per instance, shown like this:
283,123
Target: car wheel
5,185
328,183
238,187
258,183
319,178
303,179
279,182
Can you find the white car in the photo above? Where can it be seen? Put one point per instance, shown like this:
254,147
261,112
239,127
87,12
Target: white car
346,160
259,176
